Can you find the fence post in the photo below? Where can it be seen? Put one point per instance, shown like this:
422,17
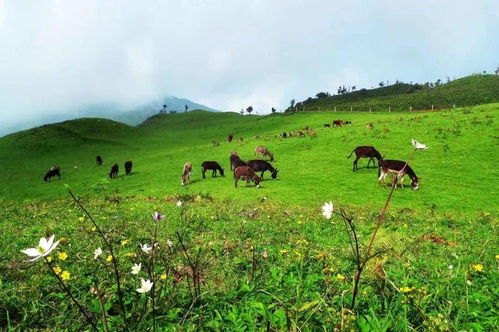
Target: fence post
351,108
432,107
335,108
389,109
410,108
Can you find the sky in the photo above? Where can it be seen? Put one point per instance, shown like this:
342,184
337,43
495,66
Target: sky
59,55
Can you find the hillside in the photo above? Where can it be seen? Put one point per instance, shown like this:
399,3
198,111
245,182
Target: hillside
467,91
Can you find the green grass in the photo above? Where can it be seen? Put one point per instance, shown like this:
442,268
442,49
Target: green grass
467,91
271,262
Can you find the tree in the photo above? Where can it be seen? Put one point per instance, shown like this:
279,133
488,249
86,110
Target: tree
438,82
273,110
381,84
241,111
321,95
249,109
292,103
354,88
497,71
186,107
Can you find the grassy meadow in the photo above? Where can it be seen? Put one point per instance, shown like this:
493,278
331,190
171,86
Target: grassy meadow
251,258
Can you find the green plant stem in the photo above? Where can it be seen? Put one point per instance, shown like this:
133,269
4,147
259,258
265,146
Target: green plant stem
68,292
115,263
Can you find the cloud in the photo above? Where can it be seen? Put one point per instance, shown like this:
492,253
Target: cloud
59,55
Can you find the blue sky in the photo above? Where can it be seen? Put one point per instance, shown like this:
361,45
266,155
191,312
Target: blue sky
59,55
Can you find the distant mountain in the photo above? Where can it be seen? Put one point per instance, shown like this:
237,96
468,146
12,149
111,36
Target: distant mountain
113,111
467,91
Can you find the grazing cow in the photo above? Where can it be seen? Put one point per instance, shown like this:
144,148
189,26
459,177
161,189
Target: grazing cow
128,167
283,135
365,152
300,133
327,125
114,171
240,140
53,171
98,160
338,123
312,133
348,123
262,166
246,173
214,166
186,174
397,170
369,125
230,137
264,152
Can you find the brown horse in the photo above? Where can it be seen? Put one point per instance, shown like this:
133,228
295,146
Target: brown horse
185,178
211,165
246,173
338,123
365,152
264,152
397,170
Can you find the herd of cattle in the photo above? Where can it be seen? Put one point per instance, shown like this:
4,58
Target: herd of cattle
247,170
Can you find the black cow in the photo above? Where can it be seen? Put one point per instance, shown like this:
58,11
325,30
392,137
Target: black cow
114,171
98,160
53,171
212,165
128,167
261,166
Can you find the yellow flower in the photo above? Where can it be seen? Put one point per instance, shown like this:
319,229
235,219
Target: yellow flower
163,276
109,258
283,251
49,259
478,267
57,269
65,275
130,254
124,242
497,256
340,277
94,229
62,256
81,219
406,289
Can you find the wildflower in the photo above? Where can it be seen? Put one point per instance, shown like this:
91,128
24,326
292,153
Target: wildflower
283,251
49,259
497,256
145,248
81,219
478,267
62,256
468,282
451,267
418,146
406,289
124,242
57,269
130,254
145,285
65,275
327,210
169,243
94,229
44,248
179,203
340,277
109,258
136,268
156,216
97,252
163,276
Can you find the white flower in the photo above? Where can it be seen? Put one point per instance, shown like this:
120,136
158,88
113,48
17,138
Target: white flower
451,267
145,285
169,243
136,268
327,210
158,216
418,146
145,248
468,282
97,252
179,203
44,248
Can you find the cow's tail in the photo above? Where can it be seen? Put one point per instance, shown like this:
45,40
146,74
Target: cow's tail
350,154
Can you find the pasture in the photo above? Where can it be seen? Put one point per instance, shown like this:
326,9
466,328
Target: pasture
267,257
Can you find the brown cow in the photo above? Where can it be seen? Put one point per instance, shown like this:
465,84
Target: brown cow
246,173
186,174
264,152
397,170
338,123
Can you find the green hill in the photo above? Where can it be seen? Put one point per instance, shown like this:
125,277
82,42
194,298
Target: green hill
467,91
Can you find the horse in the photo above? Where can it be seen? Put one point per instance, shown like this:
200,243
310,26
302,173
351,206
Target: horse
397,170
365,152
235,161
338,123
185,178
128,167
98,160
214,166
53,171
114,171
264,152
262,166
246,173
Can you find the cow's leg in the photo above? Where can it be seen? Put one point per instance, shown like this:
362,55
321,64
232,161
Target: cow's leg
355,167
203,171
369,162
235,182
262,175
